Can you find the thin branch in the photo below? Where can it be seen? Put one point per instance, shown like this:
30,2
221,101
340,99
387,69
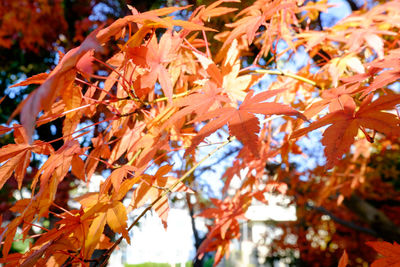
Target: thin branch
375,218
220,159
288,74
348,224
137,154
161,98
119,74
353,5
166,98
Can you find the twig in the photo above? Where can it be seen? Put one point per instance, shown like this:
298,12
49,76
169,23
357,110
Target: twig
348,224
288,74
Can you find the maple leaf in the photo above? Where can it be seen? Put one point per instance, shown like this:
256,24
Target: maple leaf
247,25
391,253
242,122
198,102
72,98
235,85
106,210
117,218
119,174
149,19
78,167
227,77
35,79
337,98
155,57
68,235
62,76
223,214
313,9
129,136
57,165
338,137
338,66
101,149
94,233
226,226
211,68
258,15
391,73
151,187
213,10
18,156
124,187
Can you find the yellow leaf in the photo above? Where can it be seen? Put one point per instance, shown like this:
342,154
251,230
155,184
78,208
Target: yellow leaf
94,234
125,187
116,219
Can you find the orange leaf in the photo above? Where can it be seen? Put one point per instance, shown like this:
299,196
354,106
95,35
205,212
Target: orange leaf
117,218
35,79
211,68
104,242
344,260
60,77
338,138
213,10
20,136
22,166
199,103
242,122
391,253
78,167
118,175
151,187
57,164
125,187
95,231
155,56
18,156
11,150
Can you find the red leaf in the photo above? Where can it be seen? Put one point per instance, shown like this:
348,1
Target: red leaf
7,169
35,79
85,64
156,56
78,167
116,219
151,187
338,138
344,260
60,77
242,122
11,150
391,253
199,103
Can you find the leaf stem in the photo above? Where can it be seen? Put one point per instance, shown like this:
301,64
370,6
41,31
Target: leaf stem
173,96
164,98
137,154
288,74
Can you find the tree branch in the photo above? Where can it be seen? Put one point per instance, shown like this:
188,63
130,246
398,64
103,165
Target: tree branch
375,218
379,224
348,224
353,5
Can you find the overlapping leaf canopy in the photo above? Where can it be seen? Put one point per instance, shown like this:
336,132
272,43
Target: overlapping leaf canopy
159,90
